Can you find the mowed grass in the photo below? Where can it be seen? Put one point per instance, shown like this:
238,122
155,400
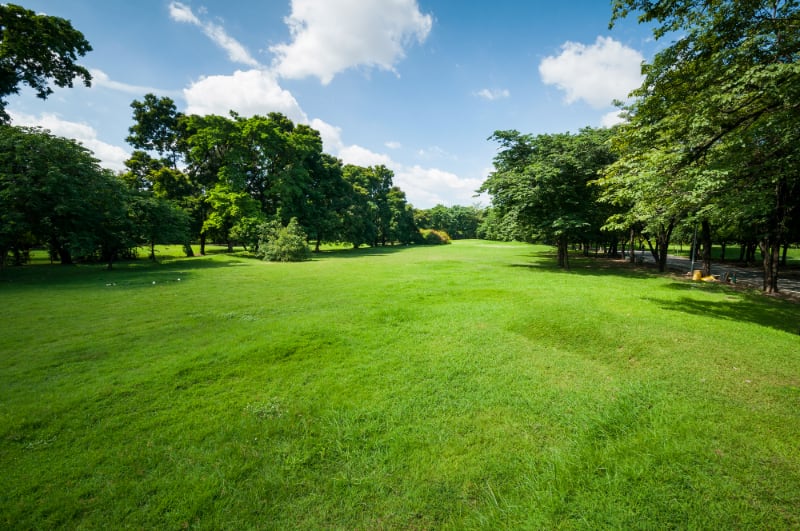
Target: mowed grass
465,386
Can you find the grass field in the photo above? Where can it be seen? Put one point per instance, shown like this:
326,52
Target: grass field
464,386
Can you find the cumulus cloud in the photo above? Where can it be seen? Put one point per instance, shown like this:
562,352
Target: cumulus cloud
246,92
424,187
361,156
493,94
597,74
236,52
110,156
331,135
392,144
101,79
427,187
612,118
330,36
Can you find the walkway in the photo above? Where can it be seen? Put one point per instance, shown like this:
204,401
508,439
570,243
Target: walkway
749,276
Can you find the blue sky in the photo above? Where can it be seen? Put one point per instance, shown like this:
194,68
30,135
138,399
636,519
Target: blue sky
417,85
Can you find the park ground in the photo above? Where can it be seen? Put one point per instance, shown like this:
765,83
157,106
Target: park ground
473,385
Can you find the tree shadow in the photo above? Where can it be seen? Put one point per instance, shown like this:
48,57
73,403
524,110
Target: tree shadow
777,314
123,273
360,252
741,304
591,266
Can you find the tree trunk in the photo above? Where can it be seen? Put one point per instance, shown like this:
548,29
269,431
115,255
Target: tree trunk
202,244
64,256
771,250
784,253
153,251
633,246
722,251
563,252
706,237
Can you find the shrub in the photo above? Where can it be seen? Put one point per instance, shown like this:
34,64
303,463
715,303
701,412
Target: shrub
283,244
434,237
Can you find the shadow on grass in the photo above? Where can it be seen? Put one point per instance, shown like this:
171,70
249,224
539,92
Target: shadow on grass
360,252
777,314
582,265
124,273
742,305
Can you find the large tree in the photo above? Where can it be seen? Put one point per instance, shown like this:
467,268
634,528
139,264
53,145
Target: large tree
35,49
722,102
53,192
543,183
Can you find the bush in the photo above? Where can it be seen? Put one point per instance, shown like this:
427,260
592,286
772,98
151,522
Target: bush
434,237
283,244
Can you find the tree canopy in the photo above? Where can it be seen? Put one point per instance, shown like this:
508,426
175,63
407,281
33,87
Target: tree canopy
35,49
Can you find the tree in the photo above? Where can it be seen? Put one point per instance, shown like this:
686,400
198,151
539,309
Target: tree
157,221
35,49
155,127
543,183
53,192
723,102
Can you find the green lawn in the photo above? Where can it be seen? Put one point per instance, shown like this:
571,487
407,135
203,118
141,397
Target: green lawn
464,386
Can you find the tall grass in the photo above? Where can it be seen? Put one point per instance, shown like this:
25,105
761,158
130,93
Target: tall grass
464,386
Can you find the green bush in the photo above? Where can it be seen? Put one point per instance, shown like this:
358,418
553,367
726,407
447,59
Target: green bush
434,237
283,244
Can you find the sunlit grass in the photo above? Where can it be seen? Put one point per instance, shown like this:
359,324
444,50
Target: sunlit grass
464,386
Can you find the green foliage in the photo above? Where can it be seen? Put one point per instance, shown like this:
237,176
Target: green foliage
434,237
542,183
283,244
35,49
54,193
712,134
458,221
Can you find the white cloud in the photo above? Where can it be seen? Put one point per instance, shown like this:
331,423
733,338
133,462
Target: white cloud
427,187
424,187
330,134
392,144
612,118
246,92
236,52
330,36
361,156
110,156
493,94
101,79
597,74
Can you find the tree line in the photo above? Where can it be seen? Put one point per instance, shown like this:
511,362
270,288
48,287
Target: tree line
710,141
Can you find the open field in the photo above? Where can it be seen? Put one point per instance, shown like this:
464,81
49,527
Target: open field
464,386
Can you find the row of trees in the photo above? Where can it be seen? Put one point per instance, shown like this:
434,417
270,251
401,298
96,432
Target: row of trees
217,178
232,174
711,141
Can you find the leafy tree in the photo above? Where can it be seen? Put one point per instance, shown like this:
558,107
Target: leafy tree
401,224
327,199
226,209
53,192
543,183
359,225
156,127
35,49
721,103
157,221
